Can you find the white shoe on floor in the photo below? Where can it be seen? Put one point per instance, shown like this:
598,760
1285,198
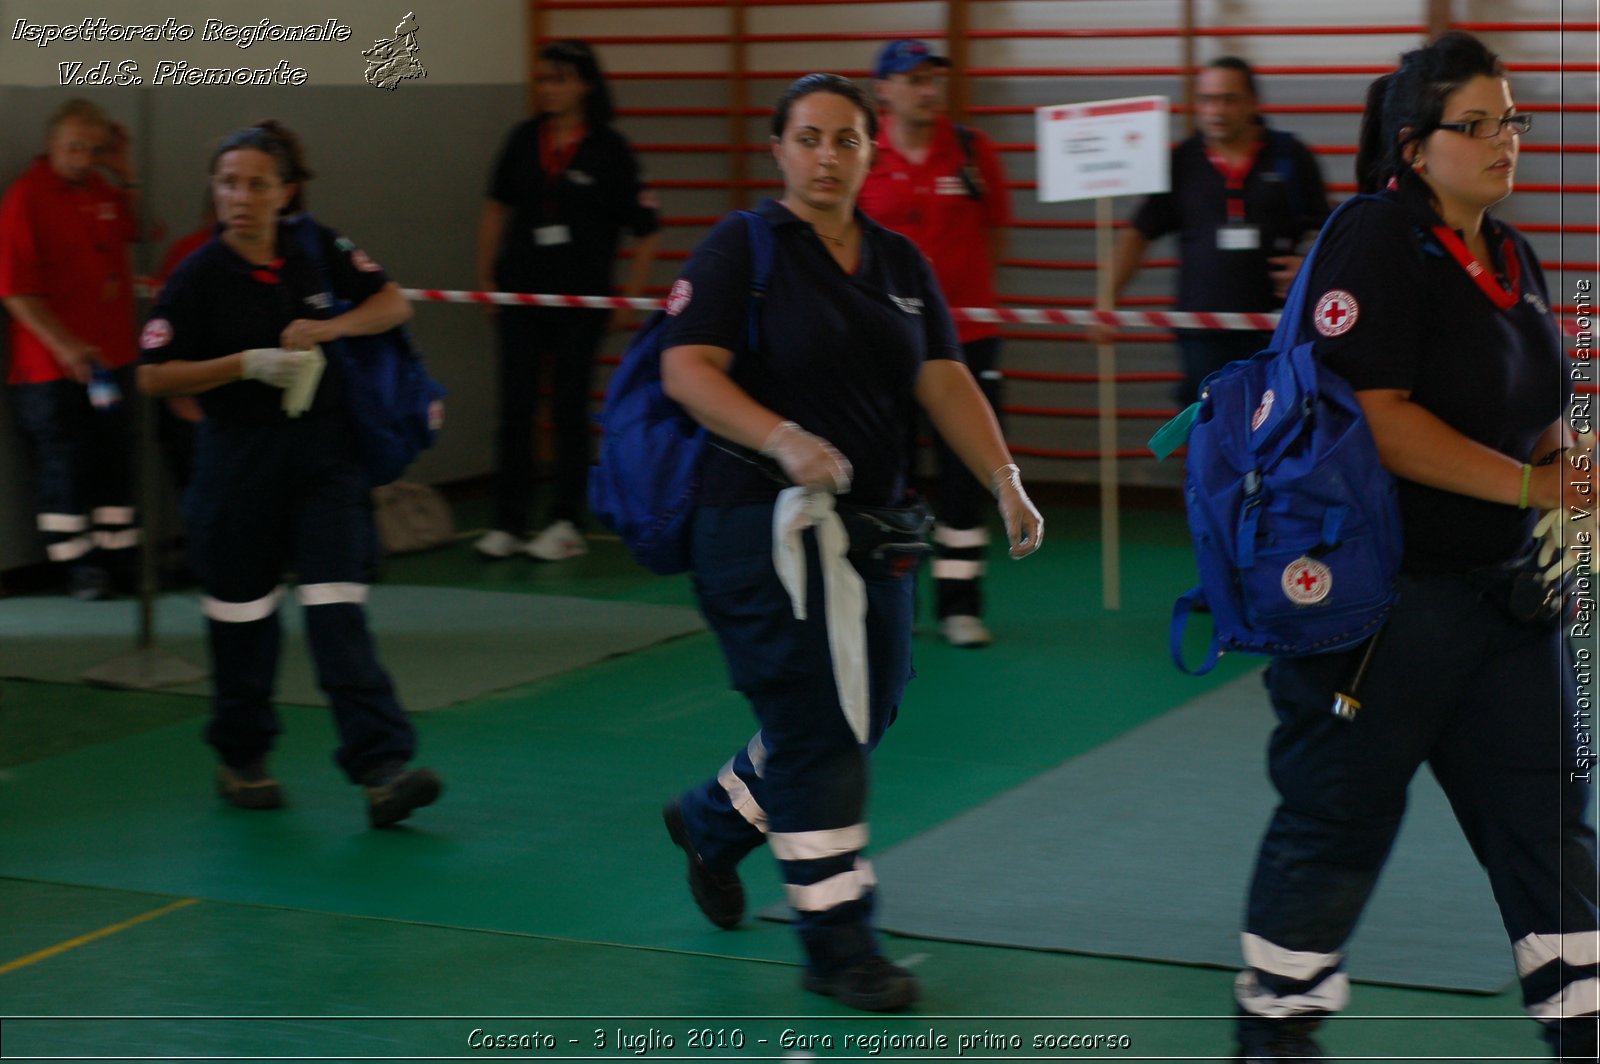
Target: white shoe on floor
964,630
499,544
560,541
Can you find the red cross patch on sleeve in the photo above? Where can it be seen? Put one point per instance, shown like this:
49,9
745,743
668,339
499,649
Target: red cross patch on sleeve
678,298
1336,312
157,334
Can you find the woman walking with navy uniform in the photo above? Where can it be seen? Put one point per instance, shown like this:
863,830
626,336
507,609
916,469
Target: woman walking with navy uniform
1438,315
800,541
236,324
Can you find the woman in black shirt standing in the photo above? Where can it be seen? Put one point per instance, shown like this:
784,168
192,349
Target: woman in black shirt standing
565,186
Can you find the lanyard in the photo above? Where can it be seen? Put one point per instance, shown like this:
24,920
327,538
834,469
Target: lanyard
1233,176
553,161
1504,298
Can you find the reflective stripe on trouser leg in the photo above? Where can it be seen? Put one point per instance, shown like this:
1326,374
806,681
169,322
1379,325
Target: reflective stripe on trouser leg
829,884
958,569
372,727
1280,983
245,639
114,528
65,536
724,815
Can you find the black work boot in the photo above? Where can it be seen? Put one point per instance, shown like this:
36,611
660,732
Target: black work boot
393,791
873,985
720,895
249,786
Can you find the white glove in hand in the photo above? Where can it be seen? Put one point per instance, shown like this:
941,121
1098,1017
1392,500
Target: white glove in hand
273,365
810,461
1568,535
302,390
1024,526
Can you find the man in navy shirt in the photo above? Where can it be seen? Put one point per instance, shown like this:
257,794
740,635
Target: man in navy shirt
1243,199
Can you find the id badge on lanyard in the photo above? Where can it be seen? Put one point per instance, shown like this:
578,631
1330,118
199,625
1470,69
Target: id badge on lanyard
1238,236
553,162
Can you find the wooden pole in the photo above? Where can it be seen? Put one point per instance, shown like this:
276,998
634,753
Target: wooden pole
738,103
1106,363
958,18
1187,60
536,33
1438,15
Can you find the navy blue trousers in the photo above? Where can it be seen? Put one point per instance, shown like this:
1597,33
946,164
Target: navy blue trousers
961,538
801,782
1490,706
1205,352
271,498
538,346
83,464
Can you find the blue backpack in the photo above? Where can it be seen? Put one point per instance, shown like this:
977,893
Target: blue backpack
1295,522
647,481
388,391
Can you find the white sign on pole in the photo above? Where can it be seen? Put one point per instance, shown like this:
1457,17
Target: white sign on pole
1104,148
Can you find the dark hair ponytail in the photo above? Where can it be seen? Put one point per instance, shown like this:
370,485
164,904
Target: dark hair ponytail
1408,104
273,138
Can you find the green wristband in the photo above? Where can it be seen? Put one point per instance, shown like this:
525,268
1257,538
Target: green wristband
1522,497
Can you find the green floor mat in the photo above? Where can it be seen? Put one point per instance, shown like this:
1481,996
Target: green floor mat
442,645
1143,848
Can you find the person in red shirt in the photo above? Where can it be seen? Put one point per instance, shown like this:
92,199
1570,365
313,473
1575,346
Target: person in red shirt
66,281
943,186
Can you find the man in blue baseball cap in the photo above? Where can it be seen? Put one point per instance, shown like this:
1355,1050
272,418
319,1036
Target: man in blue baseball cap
943,185
904,56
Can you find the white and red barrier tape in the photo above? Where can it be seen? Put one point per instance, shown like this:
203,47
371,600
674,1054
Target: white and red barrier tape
1133,319
993,315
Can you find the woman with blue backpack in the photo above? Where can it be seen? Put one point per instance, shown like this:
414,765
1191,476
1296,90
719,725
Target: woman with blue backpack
804,544
1438,316
279,477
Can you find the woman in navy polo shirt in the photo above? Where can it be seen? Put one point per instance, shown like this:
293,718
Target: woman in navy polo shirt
278,481
565,186
1438,315
811,433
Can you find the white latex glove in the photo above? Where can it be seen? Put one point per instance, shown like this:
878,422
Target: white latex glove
1024,526
273,365
302,390
1567,535
810,461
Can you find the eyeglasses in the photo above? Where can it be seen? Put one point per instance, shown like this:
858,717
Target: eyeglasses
1489,128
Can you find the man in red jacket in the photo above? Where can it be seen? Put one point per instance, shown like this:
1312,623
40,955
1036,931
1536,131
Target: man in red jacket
943,186
66,281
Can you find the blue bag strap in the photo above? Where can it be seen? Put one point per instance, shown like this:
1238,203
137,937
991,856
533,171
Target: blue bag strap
760,234
1180,621
307,234
1294,305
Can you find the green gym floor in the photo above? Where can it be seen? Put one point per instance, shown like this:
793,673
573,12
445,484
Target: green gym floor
538,910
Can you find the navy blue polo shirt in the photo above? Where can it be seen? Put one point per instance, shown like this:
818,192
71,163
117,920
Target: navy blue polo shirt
599,193
840,353
1283,196
1409,317
216,303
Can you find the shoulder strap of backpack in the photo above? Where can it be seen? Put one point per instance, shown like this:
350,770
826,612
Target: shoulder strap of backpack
309,236
760,234
1294,305
967,139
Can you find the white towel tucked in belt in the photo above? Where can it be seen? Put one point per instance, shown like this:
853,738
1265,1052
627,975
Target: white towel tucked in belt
843,593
